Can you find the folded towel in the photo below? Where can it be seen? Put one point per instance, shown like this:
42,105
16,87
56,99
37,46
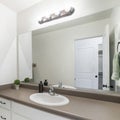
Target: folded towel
116,67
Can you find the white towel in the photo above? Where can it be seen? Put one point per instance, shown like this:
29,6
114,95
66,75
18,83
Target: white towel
116,67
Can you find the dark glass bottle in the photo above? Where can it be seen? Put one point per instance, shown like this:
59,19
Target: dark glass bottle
45,83
40,87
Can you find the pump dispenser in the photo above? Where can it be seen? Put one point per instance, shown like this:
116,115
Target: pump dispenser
40,87
46,83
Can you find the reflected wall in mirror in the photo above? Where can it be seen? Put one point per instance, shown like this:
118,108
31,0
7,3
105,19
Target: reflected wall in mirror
63,56
74,53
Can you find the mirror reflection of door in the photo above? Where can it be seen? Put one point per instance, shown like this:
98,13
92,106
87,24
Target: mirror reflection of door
88,63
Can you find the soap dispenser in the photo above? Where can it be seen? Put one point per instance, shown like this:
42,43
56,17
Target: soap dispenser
45,83
40,87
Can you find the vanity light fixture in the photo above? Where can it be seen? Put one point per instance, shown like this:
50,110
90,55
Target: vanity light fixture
53,16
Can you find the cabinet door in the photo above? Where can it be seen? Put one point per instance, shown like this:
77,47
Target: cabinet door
18,117
4,114
4,103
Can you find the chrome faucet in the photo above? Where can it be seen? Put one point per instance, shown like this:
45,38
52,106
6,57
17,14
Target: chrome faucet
60,84
51,91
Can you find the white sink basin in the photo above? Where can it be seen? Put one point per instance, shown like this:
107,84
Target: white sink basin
47,99
65,86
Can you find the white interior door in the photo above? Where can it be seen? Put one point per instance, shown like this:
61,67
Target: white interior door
86,62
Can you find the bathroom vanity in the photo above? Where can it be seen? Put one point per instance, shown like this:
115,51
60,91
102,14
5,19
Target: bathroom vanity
16,105
10,110
74,54
15,111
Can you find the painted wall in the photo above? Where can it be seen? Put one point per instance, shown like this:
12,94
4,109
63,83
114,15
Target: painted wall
25,55
53,52
28,19
8,50
115,17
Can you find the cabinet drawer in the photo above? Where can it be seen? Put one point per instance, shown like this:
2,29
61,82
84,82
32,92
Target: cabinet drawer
4,114
34,114
18,117
4,103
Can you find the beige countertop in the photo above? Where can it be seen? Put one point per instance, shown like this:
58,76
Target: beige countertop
78,107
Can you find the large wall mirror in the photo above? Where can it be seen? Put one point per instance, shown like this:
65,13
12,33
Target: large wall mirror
76,54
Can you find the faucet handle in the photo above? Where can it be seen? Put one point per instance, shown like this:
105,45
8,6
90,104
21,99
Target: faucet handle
60,84
51,90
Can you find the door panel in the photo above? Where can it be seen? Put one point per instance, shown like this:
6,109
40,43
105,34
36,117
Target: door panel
86,62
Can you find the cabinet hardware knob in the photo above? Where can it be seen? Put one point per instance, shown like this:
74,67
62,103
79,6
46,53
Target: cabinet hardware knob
2,102
3,118
105,86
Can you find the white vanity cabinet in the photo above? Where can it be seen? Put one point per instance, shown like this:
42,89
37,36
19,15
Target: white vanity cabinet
5,114
28,113
10,110
5,109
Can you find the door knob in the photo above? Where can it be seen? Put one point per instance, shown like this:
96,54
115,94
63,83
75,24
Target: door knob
96,76
105,86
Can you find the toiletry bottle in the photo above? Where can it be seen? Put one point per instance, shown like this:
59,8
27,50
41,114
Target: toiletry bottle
45,83
40,87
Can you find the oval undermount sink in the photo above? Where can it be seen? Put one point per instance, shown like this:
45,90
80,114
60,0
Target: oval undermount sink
47,99
64,86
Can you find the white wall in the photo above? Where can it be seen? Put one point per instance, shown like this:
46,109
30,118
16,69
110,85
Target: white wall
115,17
25,55
8,50
28,19
53,52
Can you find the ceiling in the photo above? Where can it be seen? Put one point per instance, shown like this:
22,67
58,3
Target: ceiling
19,5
